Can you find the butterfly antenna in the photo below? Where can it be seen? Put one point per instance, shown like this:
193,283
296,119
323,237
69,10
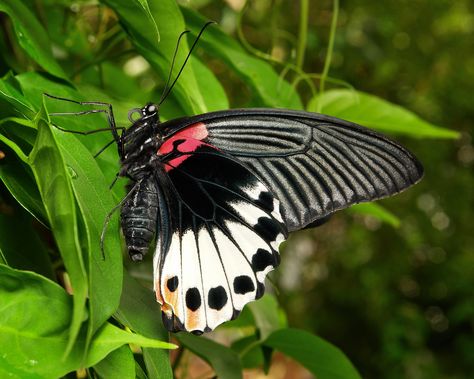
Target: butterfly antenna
172,66
167,92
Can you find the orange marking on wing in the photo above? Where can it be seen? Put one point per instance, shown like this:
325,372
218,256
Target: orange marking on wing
192,320
159,296
172,300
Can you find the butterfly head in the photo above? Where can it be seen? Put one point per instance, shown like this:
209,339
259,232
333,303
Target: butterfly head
150,111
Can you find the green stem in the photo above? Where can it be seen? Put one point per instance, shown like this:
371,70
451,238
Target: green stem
302,33
287,66
327,62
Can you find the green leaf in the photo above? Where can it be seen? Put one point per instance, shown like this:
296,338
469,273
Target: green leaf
321,358
95,202
33,85
140,312
376,113
118,361
266,313
54,184
215,96
259,75
13,97
34,317
249,350
31,36
146,9
224,361
20,244
19,180
377,211
167,15
109,338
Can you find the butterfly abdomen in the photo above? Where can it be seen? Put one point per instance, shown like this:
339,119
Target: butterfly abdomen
138,218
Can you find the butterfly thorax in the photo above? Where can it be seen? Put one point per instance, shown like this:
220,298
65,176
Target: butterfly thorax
140,143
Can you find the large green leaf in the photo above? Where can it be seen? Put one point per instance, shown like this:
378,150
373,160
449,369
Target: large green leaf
95,201
166,14
376,113
224,361
118,361
53,181
31,36
35,314
33,85
216,98
324,360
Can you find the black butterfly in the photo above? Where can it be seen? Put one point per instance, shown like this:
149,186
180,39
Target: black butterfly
220,192
215,194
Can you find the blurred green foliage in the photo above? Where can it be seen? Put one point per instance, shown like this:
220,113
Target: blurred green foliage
397,300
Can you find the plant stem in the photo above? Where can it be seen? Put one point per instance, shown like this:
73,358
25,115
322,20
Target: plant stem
327,61
302,33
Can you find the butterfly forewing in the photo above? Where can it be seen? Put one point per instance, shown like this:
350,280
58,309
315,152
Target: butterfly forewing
314,164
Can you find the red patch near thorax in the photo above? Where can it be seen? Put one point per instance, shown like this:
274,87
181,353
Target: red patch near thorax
192,137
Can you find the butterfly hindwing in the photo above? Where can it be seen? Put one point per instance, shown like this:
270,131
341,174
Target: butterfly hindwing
226,226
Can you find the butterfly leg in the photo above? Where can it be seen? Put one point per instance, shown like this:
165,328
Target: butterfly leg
108,111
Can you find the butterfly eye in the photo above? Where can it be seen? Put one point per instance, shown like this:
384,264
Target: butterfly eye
151,109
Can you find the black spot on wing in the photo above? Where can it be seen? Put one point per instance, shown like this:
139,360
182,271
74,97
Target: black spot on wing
217,298
265,200
262,259
172,283
193,299
243,284
267,228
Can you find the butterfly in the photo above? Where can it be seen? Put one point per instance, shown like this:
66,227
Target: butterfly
219,192
214,195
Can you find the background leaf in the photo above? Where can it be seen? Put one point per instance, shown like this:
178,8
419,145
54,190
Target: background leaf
31,36
318,356
224,361
373,112
377,211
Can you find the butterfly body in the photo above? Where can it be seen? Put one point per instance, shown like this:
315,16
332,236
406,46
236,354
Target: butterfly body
215,194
